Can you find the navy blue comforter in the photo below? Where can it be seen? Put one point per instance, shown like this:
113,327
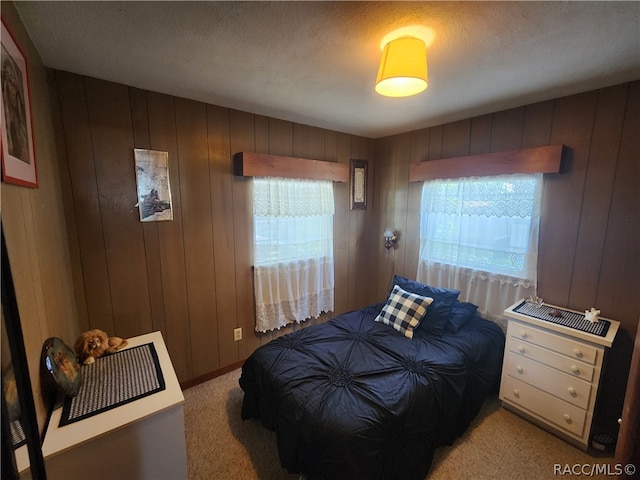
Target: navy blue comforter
355,399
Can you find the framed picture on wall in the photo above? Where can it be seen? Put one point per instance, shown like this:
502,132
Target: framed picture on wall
18,154
358,181
154,191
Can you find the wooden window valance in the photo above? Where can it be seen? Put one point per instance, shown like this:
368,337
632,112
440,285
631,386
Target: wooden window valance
530,160
248,164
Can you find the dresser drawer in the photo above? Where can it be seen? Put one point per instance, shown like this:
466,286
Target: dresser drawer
562,414
555,342
561,385
572,366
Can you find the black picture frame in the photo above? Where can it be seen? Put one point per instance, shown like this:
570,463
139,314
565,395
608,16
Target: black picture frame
358,184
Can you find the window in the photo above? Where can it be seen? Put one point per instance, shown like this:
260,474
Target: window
480,235
293,250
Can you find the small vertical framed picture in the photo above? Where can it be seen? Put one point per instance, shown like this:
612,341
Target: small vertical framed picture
18,153
152,179
358,181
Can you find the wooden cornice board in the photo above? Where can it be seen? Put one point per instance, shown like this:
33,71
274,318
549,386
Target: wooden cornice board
248,164
531,160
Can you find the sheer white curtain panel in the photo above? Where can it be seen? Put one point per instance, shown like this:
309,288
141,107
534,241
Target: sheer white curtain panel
293,250
480,236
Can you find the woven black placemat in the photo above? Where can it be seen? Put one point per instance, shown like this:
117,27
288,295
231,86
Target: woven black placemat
18,438
114,380
568,319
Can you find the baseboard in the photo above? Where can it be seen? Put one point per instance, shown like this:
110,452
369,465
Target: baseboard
208,376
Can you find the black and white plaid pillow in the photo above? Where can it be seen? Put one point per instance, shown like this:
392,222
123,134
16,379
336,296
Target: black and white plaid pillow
404,310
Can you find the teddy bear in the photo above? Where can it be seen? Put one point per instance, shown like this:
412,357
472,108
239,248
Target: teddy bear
95,343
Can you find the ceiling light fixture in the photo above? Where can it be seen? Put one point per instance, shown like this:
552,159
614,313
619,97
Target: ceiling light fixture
403,68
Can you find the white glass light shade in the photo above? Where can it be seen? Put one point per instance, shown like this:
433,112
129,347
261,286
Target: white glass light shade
403,68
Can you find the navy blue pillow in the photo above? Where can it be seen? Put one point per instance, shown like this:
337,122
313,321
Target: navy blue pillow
461,313
437,316
420,288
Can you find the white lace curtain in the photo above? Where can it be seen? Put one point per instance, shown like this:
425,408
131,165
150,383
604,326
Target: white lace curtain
293,250
480,236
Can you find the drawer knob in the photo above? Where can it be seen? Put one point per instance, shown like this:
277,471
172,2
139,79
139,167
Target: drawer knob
521,349
575,369
572,391
578,352
519,369
516,393
523,334
567,418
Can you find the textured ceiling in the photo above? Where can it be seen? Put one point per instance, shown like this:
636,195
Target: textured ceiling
315,62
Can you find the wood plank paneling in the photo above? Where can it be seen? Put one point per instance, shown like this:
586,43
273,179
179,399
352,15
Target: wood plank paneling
435,142
316,144
351,238
223,239
619,281
86,207
480,137
140,121
112,135
400,198
246,132
300,137
201,331
48,235
385,198
598,188
356,219
362,241
162,133
506,130
372,225
419,151
562,197
341,231
537,124
280,137
67,200
455,139
331,146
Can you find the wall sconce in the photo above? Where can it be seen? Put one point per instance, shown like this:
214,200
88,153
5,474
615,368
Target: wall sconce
390,238
403,68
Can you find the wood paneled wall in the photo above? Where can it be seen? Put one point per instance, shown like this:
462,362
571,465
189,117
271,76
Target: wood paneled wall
34,227
190,278
589,251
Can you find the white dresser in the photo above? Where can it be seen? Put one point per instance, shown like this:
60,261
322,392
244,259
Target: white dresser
551,373
143,439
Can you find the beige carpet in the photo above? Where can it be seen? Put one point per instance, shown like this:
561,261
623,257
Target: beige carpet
499,444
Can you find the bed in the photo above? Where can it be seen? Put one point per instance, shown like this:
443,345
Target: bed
372,393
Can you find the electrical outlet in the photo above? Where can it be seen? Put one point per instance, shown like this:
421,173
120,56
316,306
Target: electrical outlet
237,334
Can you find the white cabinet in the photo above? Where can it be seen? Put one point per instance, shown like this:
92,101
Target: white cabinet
143,439
551,373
